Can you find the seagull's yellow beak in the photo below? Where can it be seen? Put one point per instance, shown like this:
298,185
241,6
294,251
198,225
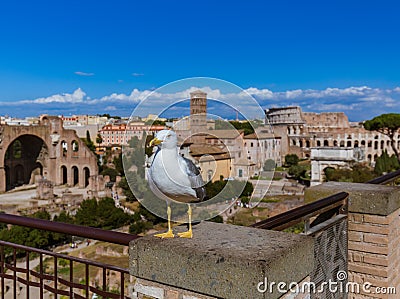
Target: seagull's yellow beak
155,141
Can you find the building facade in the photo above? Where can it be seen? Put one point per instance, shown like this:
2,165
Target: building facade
120,134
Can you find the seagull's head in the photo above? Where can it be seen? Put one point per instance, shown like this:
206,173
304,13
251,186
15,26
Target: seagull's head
165,139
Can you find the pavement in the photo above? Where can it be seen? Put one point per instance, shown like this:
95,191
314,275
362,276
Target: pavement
14,200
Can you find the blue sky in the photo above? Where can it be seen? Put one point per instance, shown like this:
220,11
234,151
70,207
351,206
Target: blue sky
324,56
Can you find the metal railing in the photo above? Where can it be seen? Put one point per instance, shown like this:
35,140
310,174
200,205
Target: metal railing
28,272
69,229
325,208
385,179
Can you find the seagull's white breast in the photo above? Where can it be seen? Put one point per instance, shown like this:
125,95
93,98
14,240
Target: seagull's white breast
169,175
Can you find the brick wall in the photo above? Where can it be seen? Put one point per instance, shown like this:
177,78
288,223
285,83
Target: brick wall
373,236
374,252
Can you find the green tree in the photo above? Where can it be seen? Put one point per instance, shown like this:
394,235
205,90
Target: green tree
118,164
298,171
269,165
88,136
359,173
214,188
110,172
130,197
140,226
101,214
248,190
386,163
156,122
87,213
246,126
291,160
387,124
99,139
29,236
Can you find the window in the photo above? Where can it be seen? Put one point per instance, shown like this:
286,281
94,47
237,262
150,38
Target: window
75,146
64,148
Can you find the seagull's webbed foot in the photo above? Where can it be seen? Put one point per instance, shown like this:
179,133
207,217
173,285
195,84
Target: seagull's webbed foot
168,234
189,233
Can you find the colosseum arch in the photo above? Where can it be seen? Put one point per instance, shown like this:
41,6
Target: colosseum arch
42,149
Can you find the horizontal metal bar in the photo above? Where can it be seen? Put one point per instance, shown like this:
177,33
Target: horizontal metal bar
301,212
71,284
104,293
28,282
69,229
387,178
63,256
325,225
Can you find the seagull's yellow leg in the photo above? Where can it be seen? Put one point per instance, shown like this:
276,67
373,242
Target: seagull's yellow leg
169,233
189,233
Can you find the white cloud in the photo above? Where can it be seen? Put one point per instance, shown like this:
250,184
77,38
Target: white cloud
262,93
84,74
78,96
359,102
137,74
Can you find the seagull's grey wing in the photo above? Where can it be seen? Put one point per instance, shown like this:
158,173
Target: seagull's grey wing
196,181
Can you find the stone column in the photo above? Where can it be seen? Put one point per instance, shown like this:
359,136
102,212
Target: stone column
2,180
373,235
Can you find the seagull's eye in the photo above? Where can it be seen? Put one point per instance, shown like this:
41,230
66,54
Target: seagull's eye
169,135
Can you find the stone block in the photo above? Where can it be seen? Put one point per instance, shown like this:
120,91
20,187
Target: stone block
223,261
363,198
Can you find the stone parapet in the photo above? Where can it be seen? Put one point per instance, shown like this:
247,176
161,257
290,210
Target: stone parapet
222,261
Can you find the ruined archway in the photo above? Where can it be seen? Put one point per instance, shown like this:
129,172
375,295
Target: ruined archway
75,176
24,159
64,175
86,173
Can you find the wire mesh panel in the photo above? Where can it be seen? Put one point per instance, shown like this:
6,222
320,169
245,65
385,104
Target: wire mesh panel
330,258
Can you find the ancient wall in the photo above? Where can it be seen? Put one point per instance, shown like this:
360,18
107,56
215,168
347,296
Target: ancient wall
58,154
326,119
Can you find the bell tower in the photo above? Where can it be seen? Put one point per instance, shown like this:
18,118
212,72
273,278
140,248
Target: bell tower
198,112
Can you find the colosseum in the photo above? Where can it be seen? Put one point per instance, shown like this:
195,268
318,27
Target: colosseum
300,131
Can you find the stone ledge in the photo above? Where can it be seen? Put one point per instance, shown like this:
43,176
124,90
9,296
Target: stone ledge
223,261
364,198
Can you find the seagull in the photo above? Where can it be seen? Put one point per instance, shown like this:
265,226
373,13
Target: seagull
174,178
